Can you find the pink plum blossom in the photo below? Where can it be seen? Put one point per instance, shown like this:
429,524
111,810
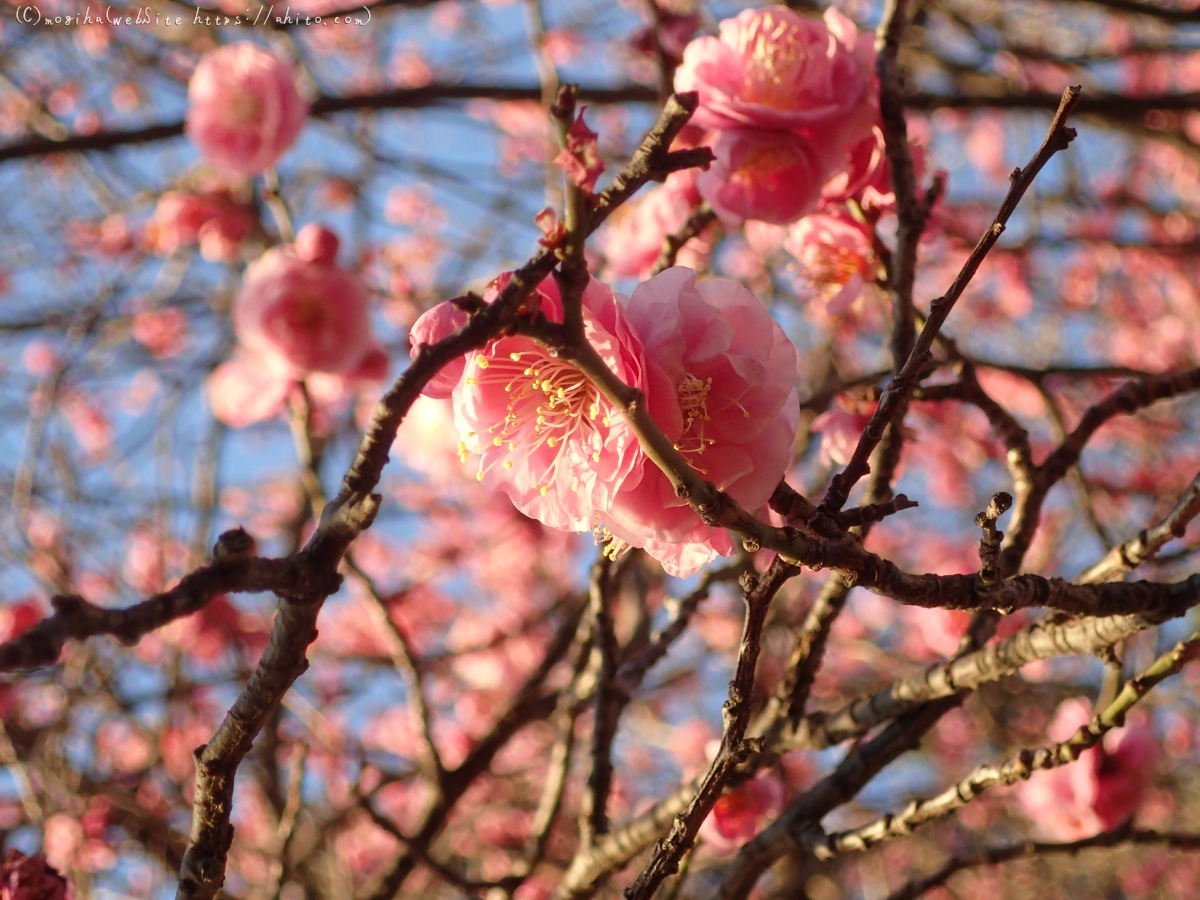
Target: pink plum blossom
835,255
777,69
840,429
162,331
1098,791
244,109
868,175
31,878
248,388
89,423
214,221
770,176
788,95
732,371
40,358
541,431
297,304
742,812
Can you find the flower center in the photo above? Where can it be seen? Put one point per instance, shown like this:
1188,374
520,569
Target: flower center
693,397
309,313
550,402
244,109
775,60
763,163
834,265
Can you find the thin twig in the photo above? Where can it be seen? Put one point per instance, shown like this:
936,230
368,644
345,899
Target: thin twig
997,855
1017,768
404,660
734,748
593,811
896,394
702,216
989,544
1128,556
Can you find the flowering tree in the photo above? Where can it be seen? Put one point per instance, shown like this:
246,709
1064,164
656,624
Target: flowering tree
529,450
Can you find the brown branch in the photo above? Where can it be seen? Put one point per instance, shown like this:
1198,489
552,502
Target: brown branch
799,511
563,719
530,702
1010,432
404,659
1112,106
734,748
941,684
989,544
910,222
1174,15
1130,397
875,512
791,695
895,396
633,670
851,775
653,159
1128,556
997,855
421,852
76,619
593,810
1018,768
1043,640
701,217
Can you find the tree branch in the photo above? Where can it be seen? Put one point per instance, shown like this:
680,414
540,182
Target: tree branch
997,855
895,396
1018,768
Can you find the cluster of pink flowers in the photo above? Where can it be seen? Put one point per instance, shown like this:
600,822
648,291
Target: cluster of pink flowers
787,97
1097,792
212,220
244,109
719,378
789,105
298,317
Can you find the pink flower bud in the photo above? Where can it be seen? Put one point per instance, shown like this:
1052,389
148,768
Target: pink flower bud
317,244
309,312
434,325
244,110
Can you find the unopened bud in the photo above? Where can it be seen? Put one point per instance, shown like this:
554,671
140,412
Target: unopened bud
235,544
